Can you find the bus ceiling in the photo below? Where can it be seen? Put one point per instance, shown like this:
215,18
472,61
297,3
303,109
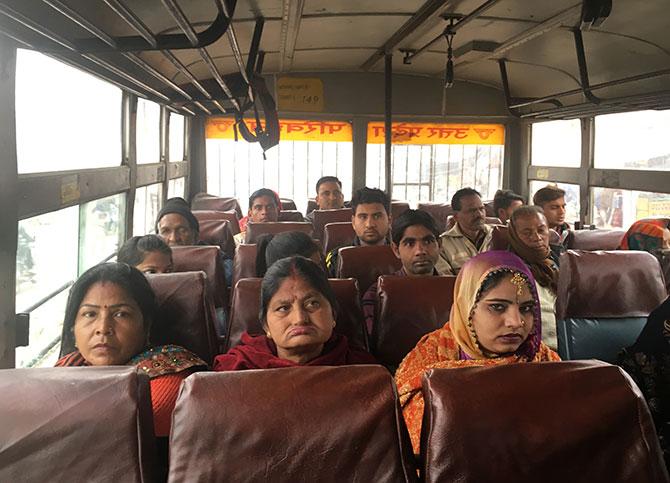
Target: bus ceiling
543,56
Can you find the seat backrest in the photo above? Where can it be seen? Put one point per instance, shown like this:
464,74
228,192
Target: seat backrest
323,217
218,232
76,424
247,303
186,313
209,202
287,204
488,206
500,237
409,308
244,263
439,212
398,208
366,263
338,234
203,258
230,216
499,423
254,230
492,220
594,239
603,300
311,206
290,215
334,424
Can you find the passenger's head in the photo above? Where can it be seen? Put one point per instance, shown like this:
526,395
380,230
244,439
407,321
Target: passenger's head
298,308
148,253
271,248
414,236
329,194
108,314
371,208
263,206
649,235
505,202
496,309
176,224
551,199
528,227
469,210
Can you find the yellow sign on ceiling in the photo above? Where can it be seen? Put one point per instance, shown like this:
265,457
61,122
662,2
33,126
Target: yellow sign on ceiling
425,133
289,129
299,94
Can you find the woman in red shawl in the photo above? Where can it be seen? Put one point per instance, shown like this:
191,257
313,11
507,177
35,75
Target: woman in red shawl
298,313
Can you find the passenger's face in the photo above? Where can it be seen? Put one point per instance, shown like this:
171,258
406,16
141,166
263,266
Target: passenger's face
299,318
109,328
418,251
533,231
472,215
555,212
175,230
330,196
263,209
371,223
505,213
156,262
503,318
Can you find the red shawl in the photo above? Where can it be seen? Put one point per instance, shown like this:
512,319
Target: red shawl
261,353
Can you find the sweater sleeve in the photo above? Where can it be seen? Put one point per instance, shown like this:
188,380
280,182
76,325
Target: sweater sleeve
164,391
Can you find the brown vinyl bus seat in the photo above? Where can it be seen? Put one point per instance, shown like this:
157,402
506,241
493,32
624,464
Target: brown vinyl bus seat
398,208
254,230
186,313
311,206
490,212
366,263
203,258
323,217
203,201
298,424
500,237
580,422
247,303
218,232
594,239
290,215
603,300
76,424
244,263
337,235
287,204
231,216
439,212
409,308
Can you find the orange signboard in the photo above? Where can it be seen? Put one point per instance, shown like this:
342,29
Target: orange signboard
424,133
289,129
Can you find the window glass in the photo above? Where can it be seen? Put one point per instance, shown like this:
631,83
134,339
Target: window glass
176,187
571,198
633,140
147,204
65,119
176,137
617,208
101,228
148,132
557,143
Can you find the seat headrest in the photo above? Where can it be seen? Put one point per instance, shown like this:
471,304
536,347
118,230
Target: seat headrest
290,215
439,212
366,263
324,424
206,259
218,232
595,239
287,204
559,421
186,313
500,237
398,208
254,230
244,263
230,216
337,234
83,422
209,202
323,217
614,284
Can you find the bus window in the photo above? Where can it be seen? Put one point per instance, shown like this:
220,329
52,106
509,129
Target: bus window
177,187
148,132
145,211
176,133
65,119
618,208
571,198
308,150
101,229
431,162
557,143
633,140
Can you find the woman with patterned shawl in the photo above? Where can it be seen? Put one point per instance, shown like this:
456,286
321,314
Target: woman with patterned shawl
648,235
495,319
107,320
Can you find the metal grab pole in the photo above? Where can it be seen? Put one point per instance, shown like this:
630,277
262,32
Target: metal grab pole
388,111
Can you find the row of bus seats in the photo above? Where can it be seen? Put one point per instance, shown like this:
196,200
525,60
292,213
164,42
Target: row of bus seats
570,421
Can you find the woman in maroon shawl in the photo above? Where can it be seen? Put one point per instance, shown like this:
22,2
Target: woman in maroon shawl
298,313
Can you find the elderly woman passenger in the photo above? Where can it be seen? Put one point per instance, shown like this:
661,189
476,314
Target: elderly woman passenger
108,317
495,319
298,314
